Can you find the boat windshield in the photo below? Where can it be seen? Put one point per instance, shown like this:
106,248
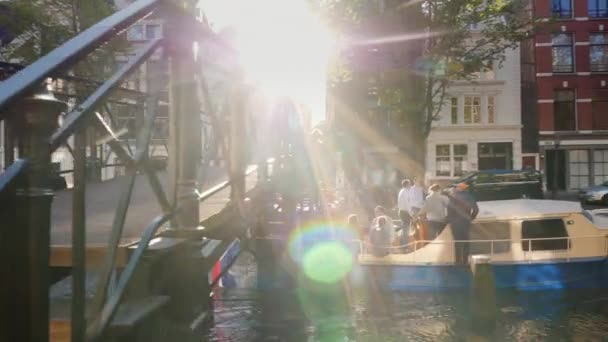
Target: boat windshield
465,178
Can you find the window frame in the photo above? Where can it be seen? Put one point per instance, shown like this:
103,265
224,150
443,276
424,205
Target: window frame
541,245
454,110
596,101
556,68
491,114
559,12
472,107
464,162
603,67
572,103
576,176
452,160
443,156
597,13
130,33
158,32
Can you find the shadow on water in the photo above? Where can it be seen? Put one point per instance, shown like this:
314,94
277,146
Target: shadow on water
333,312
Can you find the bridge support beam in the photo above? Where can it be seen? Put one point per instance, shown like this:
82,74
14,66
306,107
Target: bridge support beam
25,242
185,142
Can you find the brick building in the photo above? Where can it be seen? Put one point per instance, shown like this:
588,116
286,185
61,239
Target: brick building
571,62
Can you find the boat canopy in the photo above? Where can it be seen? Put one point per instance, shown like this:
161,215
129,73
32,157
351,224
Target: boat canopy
525,209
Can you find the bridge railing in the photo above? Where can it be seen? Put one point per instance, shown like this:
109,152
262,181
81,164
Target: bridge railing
29,108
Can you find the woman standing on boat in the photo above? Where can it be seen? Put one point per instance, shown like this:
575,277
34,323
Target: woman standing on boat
462,210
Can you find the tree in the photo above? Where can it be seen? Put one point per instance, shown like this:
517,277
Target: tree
412,92
40,26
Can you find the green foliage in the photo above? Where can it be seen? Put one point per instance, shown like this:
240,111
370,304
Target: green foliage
448,49
42,25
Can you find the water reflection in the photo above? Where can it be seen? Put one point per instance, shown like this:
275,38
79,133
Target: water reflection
315,311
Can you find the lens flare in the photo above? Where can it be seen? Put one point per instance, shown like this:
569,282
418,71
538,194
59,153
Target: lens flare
323,250
327,262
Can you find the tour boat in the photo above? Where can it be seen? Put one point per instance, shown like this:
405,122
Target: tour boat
531,244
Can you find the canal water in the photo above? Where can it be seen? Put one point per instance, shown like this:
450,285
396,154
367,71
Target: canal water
330,313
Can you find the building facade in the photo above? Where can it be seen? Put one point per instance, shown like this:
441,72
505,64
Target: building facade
480,124
571,60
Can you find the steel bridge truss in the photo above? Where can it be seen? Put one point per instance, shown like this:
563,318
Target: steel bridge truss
32,114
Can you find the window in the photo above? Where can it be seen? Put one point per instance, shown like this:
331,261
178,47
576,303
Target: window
135,32
599,106
564,115
153,31
563,54
460,160
490,231
472,109
598,8
442,160
454,110
598,51
578,168
476,71
562,8
600,166
491,108
544,229
451,160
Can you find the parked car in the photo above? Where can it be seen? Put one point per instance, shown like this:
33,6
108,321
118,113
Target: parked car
490,185
595,194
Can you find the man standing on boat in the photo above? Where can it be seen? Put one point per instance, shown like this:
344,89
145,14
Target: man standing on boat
403,204
416,197
462,210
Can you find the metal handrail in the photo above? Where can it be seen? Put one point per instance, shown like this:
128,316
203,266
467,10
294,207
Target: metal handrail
97,327
86,108
73,51
10,176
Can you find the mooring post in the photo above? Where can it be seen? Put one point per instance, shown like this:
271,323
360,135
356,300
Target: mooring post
483,294
28,241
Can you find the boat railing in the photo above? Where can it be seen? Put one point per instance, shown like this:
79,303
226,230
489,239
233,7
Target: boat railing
527,246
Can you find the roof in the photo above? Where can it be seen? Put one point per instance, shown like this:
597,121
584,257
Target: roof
525,208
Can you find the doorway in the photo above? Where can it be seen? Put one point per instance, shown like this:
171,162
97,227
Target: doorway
495,156
555,168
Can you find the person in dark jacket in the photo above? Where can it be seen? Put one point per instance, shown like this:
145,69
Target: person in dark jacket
462,210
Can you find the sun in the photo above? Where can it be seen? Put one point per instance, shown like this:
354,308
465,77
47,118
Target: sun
283,47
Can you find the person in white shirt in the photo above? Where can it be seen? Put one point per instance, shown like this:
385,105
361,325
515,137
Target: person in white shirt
381,233
416,197
403,204
435,209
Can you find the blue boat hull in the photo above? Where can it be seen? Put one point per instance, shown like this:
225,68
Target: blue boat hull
584,273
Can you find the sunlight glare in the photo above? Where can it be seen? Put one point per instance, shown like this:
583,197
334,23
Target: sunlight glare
283,48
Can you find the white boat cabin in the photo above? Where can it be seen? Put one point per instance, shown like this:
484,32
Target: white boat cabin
515,231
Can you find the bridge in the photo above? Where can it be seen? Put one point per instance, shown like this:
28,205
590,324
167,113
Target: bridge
94,261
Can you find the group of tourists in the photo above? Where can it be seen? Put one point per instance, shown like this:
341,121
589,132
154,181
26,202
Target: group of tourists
434,211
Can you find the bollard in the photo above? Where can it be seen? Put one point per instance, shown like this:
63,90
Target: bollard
483,295
25,245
